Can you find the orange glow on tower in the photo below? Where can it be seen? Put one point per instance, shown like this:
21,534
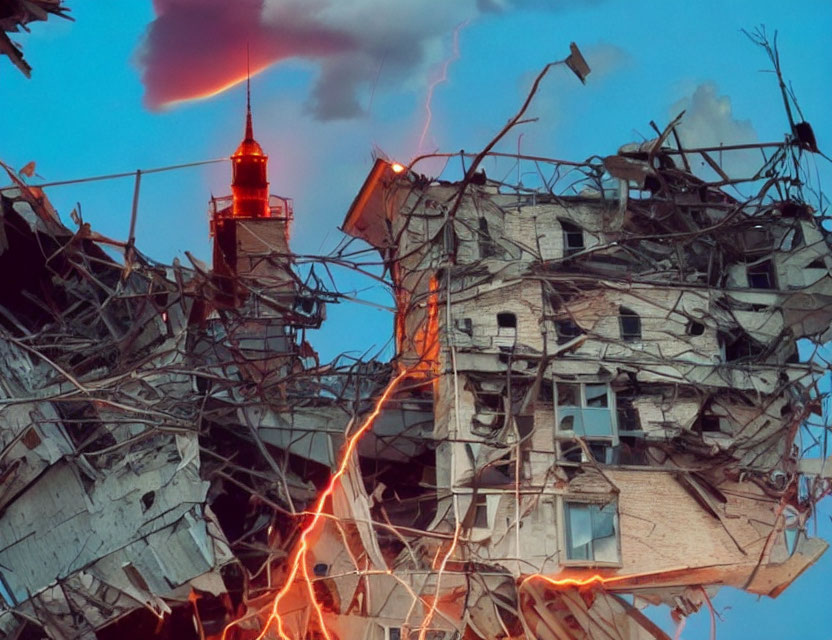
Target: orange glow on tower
250,182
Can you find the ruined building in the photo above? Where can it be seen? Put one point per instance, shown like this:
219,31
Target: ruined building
596,404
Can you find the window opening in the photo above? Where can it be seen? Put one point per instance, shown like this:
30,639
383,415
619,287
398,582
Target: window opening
507,320
573,238
567,330
486,244
761,275
591,532
481,513
630,324
695,328
586,410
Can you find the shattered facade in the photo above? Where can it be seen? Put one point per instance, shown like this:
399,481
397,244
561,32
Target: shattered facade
596,403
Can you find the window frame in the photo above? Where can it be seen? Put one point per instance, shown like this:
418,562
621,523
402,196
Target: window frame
486,246
506,333
563,435
764,267
569,230
568,500
564,337
629,336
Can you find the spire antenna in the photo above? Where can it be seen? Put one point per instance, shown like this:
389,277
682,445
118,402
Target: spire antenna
249,128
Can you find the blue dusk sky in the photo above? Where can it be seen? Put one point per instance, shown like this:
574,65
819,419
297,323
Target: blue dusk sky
136,85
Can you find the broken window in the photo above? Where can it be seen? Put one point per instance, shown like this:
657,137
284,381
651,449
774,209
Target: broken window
506,328
573,238
709,422
761,275
464,325
546,392
626,412
481,512
393,633
585,411
630,324
489,404
632,448
591,531
758,239
567,330
695,328
485,243
740,348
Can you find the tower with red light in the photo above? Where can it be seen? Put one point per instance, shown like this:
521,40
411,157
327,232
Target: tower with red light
250,181
251,226
262,301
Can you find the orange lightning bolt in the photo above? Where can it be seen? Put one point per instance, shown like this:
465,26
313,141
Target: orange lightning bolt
443,77
298,562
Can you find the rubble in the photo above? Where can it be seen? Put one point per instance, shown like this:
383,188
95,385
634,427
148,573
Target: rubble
596,404
15,15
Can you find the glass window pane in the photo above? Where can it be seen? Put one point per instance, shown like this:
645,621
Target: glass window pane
596,395
578,531
605,549
603,521
569,395
571,420
596,422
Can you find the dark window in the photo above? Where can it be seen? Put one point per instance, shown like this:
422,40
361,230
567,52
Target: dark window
708,423
507,320
756,240
571,451
628,419
573,238
490,412
695,328
464,325
741,348
632,450
567,330
630,324
546,393
761,275
484,240
481,514
147,500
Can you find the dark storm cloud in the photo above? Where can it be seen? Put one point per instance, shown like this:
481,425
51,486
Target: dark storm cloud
197,47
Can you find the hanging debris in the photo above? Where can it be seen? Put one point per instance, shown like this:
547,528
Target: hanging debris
15,15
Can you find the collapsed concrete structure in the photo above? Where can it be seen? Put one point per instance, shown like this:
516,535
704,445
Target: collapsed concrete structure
15,15
595,405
